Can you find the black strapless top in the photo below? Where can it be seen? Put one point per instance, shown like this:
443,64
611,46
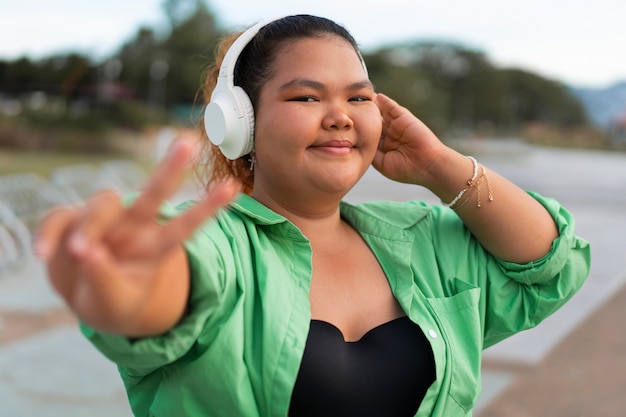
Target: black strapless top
385,373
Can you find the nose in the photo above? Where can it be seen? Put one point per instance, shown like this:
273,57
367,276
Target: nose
337,118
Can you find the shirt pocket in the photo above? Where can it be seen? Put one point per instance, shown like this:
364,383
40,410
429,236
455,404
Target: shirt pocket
460,324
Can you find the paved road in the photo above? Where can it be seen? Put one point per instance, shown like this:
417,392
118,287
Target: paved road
47,369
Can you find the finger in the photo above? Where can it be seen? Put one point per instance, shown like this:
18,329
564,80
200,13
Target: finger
49,246
102,211
386,106
392,112
163,183
181,227
52,229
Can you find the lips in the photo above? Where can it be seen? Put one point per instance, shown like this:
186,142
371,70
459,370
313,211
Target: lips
335,147
335,144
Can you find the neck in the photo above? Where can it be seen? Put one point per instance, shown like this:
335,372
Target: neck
317,220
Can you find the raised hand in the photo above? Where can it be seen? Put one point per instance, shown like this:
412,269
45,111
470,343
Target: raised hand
118,268
407,146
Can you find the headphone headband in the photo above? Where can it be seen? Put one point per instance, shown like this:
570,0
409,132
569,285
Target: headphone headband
227,69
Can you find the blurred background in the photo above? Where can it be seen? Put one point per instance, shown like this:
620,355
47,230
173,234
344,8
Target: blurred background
91,93
103,78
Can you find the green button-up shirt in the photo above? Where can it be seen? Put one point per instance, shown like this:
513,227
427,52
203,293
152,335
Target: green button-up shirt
237,352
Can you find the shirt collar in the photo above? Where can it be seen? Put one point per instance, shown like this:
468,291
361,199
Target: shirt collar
364,218
387,220
256,211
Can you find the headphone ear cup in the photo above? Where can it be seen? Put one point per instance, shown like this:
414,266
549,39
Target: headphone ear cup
229,121
247,111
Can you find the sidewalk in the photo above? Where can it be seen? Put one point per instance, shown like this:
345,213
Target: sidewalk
584,376
47,368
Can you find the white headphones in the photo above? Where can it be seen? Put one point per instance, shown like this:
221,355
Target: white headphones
229,116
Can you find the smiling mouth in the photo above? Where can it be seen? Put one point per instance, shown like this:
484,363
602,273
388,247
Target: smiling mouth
338,144
335,147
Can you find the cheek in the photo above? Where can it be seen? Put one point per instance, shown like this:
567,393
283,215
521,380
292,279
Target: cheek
290,130
273,143
282,119
371,127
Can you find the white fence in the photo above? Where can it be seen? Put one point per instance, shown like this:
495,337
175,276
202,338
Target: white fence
25,198
14,239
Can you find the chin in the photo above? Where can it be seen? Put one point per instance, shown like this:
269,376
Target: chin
340,185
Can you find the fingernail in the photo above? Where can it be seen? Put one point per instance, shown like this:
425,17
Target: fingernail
41,249
77,243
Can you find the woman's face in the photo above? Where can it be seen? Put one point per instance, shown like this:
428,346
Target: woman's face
317,126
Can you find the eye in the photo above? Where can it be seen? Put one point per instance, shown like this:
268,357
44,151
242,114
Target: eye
305,99
360,99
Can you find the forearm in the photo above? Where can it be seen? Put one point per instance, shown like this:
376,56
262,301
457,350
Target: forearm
513,226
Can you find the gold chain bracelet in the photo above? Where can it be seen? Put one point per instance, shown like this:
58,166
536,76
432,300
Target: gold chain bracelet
472,183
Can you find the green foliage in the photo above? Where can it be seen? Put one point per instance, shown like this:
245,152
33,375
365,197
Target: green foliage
68,100
452,88
191,46
65,75
134,61
183,55
409,86
532,98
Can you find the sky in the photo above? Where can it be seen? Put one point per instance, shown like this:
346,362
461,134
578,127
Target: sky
577,42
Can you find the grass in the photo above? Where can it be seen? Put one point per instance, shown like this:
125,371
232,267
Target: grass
44,162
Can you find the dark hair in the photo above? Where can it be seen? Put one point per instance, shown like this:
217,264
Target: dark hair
253,69
254,66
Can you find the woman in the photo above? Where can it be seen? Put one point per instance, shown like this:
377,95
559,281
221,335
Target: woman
290,301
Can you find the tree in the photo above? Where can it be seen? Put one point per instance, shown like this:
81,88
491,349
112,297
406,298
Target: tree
136,57
189,49
451,87
528,97
176,62
177,11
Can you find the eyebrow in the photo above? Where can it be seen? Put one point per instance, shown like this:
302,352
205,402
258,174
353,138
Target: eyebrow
316,85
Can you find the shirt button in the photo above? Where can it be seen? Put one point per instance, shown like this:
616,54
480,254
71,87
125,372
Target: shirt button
432,333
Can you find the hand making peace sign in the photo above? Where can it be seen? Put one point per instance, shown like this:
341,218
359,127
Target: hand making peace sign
119,269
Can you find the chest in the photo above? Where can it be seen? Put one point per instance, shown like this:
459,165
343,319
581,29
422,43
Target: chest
350,290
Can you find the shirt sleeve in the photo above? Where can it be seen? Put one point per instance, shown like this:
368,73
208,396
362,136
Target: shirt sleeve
538,288
514,297
140,356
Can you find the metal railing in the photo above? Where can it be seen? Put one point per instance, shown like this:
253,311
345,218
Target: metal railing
25,198
15,238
